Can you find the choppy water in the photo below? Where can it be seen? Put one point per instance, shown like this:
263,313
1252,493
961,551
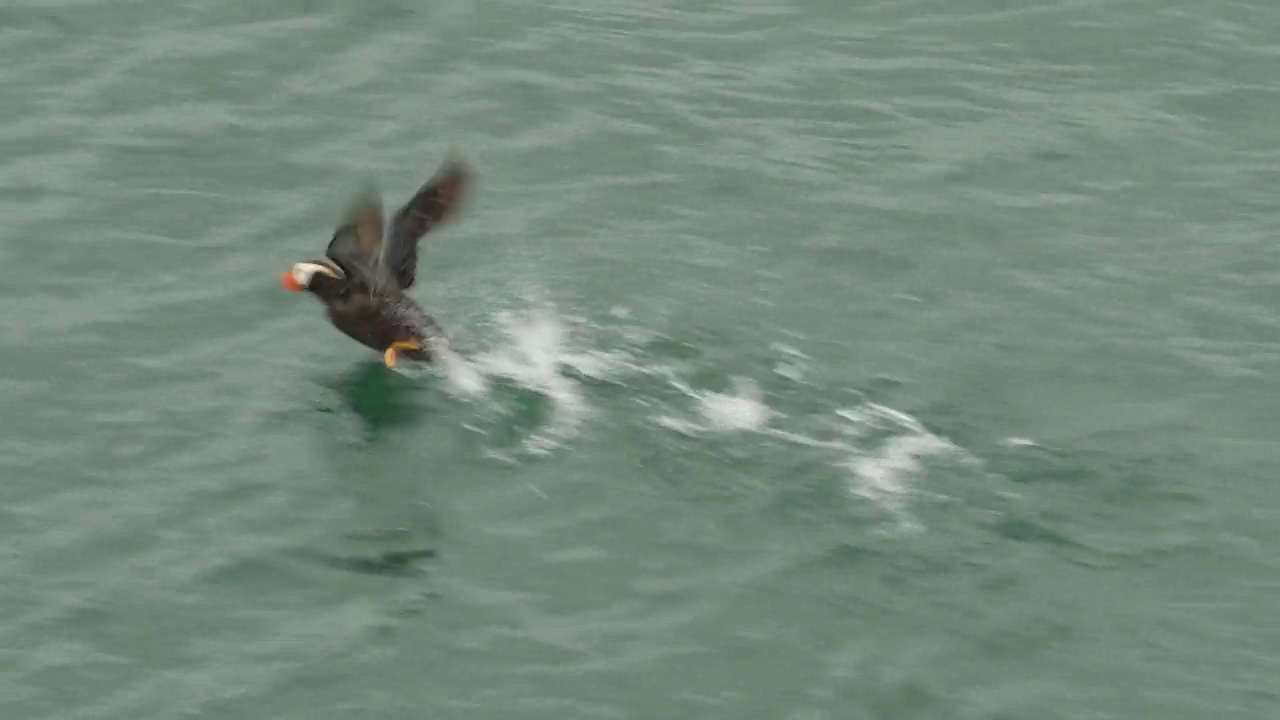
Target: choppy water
816,360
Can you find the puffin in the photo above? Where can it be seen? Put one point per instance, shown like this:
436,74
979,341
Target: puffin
368,267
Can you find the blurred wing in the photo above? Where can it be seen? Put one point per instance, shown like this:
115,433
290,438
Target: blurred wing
357,243
359,233
436,202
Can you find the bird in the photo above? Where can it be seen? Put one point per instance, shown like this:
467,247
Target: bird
368,266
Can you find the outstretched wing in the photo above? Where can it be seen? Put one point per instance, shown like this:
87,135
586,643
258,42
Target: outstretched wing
437,201
357,243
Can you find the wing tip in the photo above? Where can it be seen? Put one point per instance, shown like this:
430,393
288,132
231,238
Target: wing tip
365,199
454,168
448,187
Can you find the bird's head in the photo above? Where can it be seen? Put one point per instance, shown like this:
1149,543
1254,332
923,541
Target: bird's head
323,278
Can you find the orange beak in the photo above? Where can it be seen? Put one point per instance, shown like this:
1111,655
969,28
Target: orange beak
288,283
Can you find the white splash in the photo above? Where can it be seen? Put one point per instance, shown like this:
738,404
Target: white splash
882,472
464,378
882,475
532,353
741,409
882,450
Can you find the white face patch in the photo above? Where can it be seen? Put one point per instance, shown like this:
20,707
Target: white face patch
303,271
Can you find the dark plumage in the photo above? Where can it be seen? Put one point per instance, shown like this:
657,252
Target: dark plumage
366,270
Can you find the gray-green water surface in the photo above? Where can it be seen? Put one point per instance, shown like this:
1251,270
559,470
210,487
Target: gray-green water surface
817,361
